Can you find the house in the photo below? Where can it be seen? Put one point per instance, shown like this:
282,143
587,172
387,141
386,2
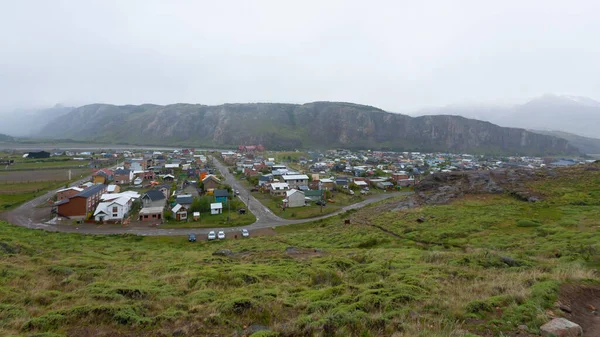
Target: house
216,208
296,180
113,188
38,155
278,189
361,183
326,184
265,179
196,216
169,178
294,198
313,195
151,214
66,193
164,189
180,212
342,182
221,195
385,185
153,198
185,200
123,176
81,203
102,176
113,210
210,182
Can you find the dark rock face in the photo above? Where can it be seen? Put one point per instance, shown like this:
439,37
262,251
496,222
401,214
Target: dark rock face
289,126
441,188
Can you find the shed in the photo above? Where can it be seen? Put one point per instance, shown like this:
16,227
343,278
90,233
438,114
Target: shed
216,208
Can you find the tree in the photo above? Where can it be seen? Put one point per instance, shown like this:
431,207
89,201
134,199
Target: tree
201,204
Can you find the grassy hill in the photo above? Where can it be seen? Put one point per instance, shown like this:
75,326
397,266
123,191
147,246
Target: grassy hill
482,265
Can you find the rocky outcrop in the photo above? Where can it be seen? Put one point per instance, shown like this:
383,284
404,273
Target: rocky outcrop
561,327
290,126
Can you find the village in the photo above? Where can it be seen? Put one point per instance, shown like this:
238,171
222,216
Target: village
211,189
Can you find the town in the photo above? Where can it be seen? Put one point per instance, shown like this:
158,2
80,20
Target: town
211,189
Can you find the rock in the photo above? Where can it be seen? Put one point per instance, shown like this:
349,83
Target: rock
510,261
223,252
292,250
255,328
565,308
420,219
561,327
523,327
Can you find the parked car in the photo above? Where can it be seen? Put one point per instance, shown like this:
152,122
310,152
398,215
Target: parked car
321,203
237,192
351,192
245,233
192,237
212,235
242,211
254,189
364,192
221,235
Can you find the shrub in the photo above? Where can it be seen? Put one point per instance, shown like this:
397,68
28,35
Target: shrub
327,277
528,223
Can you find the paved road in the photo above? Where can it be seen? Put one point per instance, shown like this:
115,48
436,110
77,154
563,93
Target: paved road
26,214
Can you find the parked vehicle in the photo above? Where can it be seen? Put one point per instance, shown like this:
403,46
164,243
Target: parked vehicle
221,235
321,203
192,237
364,192
237,192
254,189
351,192
245,233
212,235
242,211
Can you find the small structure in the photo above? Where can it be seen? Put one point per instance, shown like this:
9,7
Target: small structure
278,189
180,212
153,198
221,195
151,214
210,182
294,198
196,216
216,208
295,180
123,176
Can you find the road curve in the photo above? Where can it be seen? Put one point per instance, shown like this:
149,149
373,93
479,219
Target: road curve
22,215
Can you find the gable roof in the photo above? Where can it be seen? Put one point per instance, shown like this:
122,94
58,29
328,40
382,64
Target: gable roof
216,205
290,192
90,191
177,208
122,171
184,199
295,177
211,177
154,195
313,193
221,193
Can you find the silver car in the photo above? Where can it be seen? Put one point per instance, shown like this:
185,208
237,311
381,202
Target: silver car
211,235
245,233
221,235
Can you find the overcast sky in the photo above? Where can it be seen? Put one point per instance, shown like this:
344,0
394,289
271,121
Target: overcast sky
396,55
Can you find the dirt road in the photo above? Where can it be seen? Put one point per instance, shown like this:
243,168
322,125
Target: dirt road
30,216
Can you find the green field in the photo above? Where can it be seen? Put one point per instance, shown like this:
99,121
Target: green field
12,195
312,211
480,266
218,220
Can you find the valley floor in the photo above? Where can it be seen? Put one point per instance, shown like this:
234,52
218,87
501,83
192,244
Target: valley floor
484,265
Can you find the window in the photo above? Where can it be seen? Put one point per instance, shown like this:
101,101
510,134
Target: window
115,215
115,209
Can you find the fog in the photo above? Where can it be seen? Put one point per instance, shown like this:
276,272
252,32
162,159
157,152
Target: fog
397,55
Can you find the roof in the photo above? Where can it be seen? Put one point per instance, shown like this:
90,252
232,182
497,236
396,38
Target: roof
64,201
313,193
295,177
122,171
360,183
151,210
221,193
111,188
216,205
176,208
290,192
184,199
265,177
280,185
70,188
90,191
171,165
212,177
325,181
154,195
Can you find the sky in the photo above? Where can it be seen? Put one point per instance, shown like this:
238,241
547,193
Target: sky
397,55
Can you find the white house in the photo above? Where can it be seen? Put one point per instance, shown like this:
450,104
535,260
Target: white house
294,198
295,180
180,212
216,208
279,188
113,210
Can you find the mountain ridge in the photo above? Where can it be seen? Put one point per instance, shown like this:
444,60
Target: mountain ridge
291,126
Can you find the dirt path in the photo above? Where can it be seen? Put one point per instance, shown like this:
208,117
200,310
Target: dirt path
584,303
30,216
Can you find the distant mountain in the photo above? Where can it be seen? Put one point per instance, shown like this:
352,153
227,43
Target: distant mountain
5,138
572,114
290,126
28,122
584,144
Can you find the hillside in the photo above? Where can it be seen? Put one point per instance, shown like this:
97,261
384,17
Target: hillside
5,138
584,144
28,122
290,126
482,265
571,114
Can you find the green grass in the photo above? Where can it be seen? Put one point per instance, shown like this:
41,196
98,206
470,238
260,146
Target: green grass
305,212
13,195
469,269
217,220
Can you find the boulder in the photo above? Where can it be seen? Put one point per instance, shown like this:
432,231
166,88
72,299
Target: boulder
561,327
223,252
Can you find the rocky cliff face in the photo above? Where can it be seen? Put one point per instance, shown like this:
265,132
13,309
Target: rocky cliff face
289,126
